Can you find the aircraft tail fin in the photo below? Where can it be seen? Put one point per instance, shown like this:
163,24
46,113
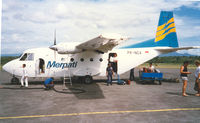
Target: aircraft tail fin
166,30
165,34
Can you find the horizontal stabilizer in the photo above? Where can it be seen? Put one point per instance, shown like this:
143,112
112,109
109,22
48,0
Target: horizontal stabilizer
166,50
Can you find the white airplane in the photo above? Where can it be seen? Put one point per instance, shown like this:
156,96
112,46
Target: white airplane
90,58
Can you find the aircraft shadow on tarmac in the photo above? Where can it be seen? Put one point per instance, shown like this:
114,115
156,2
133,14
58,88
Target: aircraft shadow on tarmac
91,91
80,90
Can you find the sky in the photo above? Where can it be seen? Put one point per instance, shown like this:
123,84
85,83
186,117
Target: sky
31,23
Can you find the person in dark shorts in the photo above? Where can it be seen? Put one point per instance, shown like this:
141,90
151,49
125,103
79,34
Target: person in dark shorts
48,83
109,74
132,77
184,73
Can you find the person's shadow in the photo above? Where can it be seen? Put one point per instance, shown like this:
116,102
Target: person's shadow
178,93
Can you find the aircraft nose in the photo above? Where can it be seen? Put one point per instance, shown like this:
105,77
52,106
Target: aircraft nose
7,67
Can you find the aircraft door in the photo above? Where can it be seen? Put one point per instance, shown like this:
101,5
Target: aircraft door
40,66
112,58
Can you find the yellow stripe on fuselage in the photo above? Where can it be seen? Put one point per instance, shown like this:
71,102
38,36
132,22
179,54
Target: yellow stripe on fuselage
164,35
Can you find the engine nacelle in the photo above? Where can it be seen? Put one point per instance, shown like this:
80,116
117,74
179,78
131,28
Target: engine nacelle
66,48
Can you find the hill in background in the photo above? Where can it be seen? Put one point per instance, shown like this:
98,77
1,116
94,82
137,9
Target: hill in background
176,54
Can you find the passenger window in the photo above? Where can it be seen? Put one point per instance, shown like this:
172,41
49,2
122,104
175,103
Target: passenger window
100,59
72,59
23,58
82,59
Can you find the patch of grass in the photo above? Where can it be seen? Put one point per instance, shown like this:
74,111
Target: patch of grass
168,65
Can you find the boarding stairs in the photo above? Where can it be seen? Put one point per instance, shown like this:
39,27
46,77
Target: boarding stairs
67,77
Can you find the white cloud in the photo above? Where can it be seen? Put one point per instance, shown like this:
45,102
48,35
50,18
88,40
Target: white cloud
17,38
34,22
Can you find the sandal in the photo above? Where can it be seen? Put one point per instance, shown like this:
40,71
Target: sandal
197,95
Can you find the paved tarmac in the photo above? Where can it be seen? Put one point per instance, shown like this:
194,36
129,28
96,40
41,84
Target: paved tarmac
141,103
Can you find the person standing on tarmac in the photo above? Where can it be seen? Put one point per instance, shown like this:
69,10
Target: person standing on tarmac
109,74
114,62
132,77
184,73
24,76
197,76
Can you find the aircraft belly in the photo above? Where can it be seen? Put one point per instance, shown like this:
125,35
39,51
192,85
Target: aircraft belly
86,71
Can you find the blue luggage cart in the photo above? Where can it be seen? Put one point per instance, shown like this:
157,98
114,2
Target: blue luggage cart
151,76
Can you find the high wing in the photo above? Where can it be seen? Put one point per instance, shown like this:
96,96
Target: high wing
102,43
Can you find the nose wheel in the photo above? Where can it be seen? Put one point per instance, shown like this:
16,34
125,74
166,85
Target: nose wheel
14,80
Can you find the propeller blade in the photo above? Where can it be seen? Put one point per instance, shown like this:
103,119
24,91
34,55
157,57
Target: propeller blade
55,55
55,37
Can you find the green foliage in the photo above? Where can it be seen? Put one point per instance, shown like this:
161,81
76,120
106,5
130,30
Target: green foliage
174,59
5,59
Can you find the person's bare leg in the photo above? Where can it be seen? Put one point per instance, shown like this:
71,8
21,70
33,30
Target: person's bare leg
184,88
198,85
198,94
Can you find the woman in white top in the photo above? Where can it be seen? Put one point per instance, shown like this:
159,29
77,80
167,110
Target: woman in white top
197,76
151,68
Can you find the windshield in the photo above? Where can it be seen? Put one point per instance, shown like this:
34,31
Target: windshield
27,57
30,57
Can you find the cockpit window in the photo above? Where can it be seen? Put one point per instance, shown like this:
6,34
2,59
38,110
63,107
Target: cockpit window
27,57
23,58
30,57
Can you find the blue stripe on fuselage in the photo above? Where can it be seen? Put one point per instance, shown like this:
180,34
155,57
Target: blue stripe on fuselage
166,42
148,43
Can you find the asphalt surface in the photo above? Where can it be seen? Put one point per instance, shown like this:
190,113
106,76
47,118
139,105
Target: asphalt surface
141,103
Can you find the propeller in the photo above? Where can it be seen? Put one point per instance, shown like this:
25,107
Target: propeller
55,37
55,44
53,47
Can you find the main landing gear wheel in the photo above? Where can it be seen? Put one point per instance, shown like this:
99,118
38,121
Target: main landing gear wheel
88,79
160,83
14,80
